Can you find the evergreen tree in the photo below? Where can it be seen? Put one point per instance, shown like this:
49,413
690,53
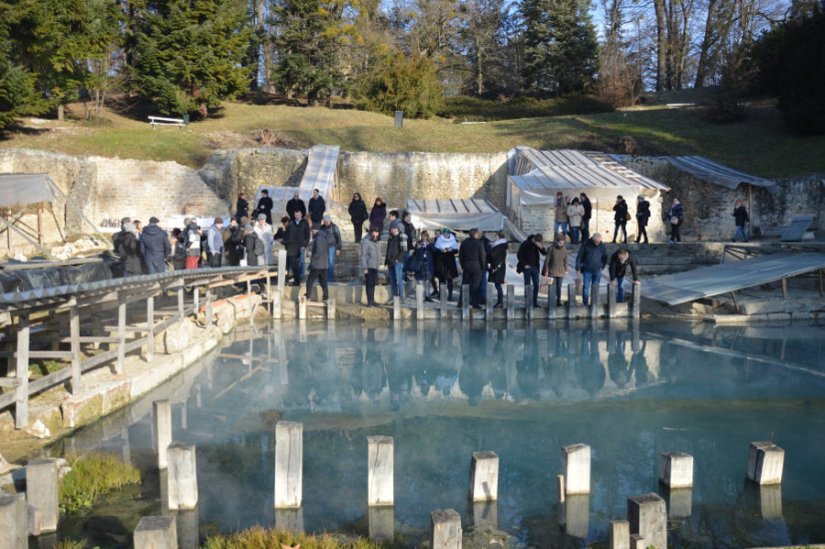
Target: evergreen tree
395,82
306,42
560,48
18,93
188,55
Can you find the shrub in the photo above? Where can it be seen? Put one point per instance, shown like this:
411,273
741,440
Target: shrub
395,82
467,108
91,477
261,538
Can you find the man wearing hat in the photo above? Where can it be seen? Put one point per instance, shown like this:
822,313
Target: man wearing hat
334,237
214,243
155,247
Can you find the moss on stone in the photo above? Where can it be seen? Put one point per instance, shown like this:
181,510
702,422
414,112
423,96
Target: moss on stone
92,476
262,538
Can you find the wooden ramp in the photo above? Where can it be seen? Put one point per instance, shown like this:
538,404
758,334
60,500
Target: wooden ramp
721,279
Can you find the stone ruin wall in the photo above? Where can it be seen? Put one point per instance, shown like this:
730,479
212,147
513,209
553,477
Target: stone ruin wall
709,208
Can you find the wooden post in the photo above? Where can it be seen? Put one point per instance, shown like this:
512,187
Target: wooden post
465,302
611,299
150,328
419,302
488,313
785,289
511,302
74,342
269,290
282,270
302,307
636,308
594,302
571,301
181,303
121,333
396,308
330,309
276,305
443,290
196,296
21,400
735,304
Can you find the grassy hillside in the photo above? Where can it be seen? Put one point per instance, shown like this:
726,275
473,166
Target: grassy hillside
760,144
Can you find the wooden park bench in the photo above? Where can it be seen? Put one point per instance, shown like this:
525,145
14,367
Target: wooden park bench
161,121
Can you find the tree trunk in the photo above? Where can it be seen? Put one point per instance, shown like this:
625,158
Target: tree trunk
60,112
479,68
661,45
707,43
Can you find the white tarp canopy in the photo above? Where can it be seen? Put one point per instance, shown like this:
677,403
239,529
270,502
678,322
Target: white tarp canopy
461,215
320,173
21,189
717,174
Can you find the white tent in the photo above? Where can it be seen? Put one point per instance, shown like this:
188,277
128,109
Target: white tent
460,215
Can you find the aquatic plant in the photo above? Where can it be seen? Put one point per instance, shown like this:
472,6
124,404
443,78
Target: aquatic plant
262,538
92,476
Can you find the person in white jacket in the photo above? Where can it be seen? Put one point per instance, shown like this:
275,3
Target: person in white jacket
264,231
575,213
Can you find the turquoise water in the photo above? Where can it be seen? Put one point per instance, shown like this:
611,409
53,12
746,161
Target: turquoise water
630,393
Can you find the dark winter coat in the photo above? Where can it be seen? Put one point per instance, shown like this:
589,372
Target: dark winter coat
334,235
643,212
130,254
250,242
592,257
529,254
234,244
317,207
297,237
295,205
358,211
740,215
241,209
395,250
617,268
319,258
556,263
471,255
422,261
265,207
497,261
588,208
378,215
621,212
676,211
192,239
154,245
409,230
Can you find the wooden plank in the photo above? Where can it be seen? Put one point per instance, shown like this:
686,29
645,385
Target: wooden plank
21,401
150,325
56,355
121,335
74,337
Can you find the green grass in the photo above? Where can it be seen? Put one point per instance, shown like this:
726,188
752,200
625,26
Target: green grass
91,477
42,369
760,144
261,538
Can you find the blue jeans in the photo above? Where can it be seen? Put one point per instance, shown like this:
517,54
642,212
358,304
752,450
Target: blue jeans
589,279
482,290
559,225
531,277
331,270
619,289
574,235
740,233
395,273
585,229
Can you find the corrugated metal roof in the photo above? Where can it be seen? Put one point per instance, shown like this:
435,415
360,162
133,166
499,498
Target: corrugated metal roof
463,206
715,173
462,214
322,165
568,169
22,189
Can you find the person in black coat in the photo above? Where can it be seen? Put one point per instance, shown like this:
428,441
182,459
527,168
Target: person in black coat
317,207
265,206
358,215
473,261
296,241
497,266
529,263
378,214
741,218
253,245
155,247
295,204
590,261
588,215
241,207
620,261
642,218
620,218
130,251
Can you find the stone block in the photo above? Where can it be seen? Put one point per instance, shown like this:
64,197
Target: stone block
680,502
156,533
14,522
289,463
445,532
187,524
35,520
380,469
175,338
41,491
638,542
765,463
381,523
290,520
676,469
162,417
484,476
576,508
647,515
619,535
182,477
575,465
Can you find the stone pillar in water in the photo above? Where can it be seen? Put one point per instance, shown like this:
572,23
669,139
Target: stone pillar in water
619,535
765,463
648,518
13,522
575,465
446,529
289,463
156,533
770,501
484,476
162,416
485,513
380,471
638,542
576,515
41,492
182,477
188,527
290,520
381,523
676,469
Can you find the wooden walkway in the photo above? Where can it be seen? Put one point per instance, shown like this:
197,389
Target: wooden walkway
729,277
